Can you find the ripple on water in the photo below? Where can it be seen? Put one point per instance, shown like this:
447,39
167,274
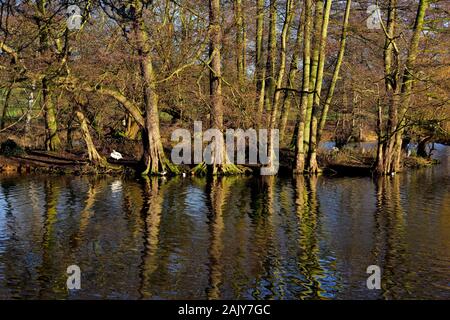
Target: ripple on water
247,238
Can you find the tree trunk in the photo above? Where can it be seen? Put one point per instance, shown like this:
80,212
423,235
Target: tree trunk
407,82
399,100
299,166
240,41
318,20
52,141
94,156
282,68
279,81
259,63
312,153
391,79
154,159
336,71
5,108
222,165
132,129
293,72
271,57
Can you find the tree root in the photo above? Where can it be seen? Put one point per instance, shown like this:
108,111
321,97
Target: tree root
221,170
167,168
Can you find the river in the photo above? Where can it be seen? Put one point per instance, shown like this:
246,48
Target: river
229,238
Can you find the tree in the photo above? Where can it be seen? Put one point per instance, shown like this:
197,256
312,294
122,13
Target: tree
313,167
336,71
398,89
240,41
220,163
52,142
299,165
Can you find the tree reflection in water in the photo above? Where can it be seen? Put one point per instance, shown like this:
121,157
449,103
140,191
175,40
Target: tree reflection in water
224,238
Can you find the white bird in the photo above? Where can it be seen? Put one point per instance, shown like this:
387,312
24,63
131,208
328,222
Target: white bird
184,174
163,173
116,155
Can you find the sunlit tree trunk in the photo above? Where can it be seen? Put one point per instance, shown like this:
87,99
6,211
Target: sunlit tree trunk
271,56
31,101
389,161
391,78
299,166
94,156
289,96
407,83
280,76
312,151
318,20
5,108
259,62
220,163
282,68
240,40
52,141
337,69
154,159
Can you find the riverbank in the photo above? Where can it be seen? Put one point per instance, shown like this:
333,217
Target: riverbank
345,162
15,159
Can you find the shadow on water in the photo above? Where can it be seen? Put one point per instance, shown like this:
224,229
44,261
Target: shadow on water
226,238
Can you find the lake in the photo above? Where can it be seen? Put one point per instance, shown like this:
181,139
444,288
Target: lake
228,238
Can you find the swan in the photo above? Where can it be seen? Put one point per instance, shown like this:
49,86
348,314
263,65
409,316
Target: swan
116,155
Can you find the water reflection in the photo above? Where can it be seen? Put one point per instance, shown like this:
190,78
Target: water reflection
226,238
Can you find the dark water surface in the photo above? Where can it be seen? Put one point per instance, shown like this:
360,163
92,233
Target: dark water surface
247,238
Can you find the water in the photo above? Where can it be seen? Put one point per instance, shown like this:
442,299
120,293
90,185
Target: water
230,238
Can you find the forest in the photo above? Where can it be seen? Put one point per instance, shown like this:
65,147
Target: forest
80,80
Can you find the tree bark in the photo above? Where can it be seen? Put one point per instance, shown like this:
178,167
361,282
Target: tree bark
154,160
94,156
299,166
282,68
391,80
215,83
271,57
390,161
312,153
52,141
318,20
407,83
5,108
293,72
336,71
259,63
240,41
